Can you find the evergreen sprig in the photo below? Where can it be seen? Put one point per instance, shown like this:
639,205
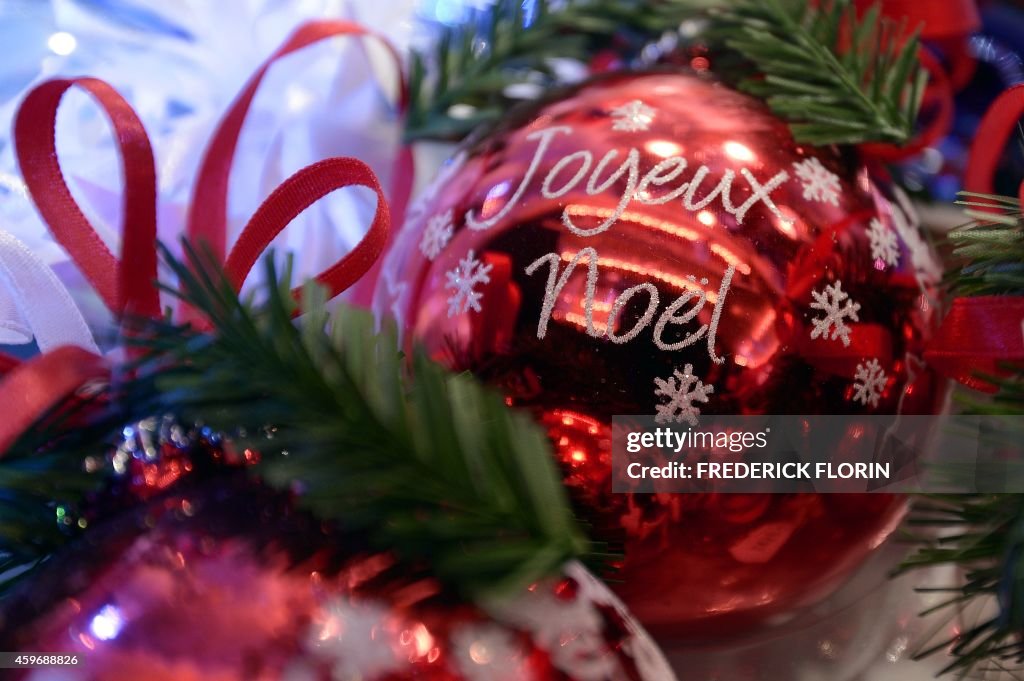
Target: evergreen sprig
990,247
431,466
982,534
835,77
468,78
426,464
44,478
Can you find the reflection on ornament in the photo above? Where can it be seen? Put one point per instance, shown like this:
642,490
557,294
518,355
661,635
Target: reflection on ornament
62,43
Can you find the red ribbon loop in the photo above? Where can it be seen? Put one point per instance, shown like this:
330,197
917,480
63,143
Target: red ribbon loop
295,195
999,122
123,283
207,220
982,332
976,336
35,387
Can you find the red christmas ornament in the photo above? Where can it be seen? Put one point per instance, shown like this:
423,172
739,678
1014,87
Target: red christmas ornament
659,244
225,580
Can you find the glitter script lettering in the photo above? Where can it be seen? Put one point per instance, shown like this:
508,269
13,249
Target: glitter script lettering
681,311
569,171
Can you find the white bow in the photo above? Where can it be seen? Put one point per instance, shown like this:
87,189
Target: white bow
34,302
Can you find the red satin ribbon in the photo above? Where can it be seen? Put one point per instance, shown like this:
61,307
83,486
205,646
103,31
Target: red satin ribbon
982,332
33,388
208,213
124,284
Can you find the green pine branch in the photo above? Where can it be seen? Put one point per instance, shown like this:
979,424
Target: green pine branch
433,467
836,78
468,78
428,465
45,478
982,534
990,249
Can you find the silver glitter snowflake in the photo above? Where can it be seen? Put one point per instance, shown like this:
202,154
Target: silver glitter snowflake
682,389
884,245
819,183
437,234
837,306
869,383
463,281
633,116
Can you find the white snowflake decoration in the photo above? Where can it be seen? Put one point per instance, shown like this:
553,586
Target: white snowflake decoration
633,116
869,382
437,234
463,281
835,303
819,183
682,389
884,245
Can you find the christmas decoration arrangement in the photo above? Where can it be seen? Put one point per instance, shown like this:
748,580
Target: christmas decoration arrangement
671,207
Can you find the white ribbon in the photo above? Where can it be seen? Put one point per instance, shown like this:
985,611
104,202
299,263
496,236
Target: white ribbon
34,302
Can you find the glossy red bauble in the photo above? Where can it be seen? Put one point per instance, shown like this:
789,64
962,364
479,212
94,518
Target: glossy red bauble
649,231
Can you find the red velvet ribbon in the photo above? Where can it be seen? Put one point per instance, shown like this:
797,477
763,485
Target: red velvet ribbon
127,284
981,333
978,335
867,341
